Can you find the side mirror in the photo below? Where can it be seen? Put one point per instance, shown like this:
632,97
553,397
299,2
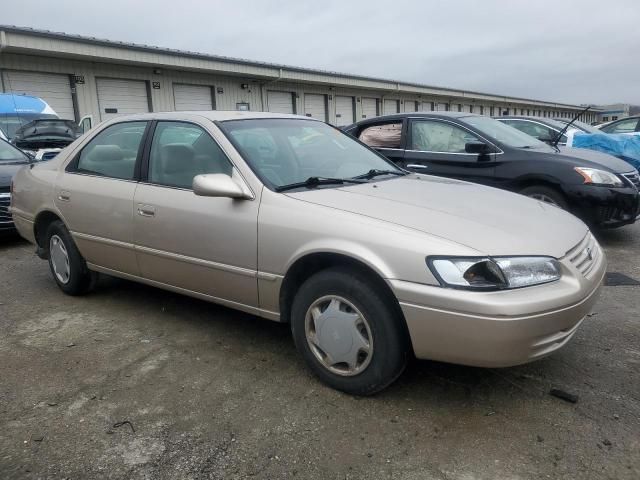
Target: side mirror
479,148
217,185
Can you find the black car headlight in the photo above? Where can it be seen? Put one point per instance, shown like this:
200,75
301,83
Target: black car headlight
593,176
493,273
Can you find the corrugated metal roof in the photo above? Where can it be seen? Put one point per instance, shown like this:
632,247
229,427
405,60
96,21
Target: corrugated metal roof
254,63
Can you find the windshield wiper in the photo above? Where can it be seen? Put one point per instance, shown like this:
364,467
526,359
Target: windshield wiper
375,172
312,182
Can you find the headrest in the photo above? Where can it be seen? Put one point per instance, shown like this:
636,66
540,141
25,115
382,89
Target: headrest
177,157
106,153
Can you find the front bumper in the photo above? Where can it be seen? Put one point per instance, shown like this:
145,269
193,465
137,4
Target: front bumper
604,207
504,328
6,222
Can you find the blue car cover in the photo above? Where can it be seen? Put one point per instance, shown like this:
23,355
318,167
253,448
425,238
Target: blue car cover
625,147
12,104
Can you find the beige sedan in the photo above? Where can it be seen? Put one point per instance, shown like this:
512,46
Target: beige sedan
292,220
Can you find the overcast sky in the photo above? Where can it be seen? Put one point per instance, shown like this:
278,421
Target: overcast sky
560,50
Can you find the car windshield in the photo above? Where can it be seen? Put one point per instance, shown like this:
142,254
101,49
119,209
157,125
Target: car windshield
581,126
286,151
504,133
10,154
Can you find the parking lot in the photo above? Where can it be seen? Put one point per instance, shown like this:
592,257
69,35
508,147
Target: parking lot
207,392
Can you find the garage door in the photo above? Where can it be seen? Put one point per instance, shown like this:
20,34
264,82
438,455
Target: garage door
344,111
369,107
121,97
426,106
410,106
441,107
53,88
280,102
192,97
466,108
391,106
315,106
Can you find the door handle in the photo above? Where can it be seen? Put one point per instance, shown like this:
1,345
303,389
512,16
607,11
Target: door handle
64,196
417,165
146,211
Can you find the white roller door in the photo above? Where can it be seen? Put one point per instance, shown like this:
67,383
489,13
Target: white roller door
315,106
53,88
192,97
441,107
391,106
466,108
280,102
410,106
369,107
121,97
426,106
344,111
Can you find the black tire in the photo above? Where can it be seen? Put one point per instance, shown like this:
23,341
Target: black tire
81,280
391,346
549,192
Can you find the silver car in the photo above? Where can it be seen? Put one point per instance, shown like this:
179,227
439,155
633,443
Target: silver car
290,219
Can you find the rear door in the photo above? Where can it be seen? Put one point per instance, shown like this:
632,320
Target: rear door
95,196
386,137
437,147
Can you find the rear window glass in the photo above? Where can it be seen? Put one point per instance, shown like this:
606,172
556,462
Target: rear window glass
385,136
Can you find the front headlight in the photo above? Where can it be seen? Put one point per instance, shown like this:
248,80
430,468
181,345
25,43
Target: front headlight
495,273
593,176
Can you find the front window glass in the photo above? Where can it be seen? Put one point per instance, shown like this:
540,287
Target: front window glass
10,154
286,151
504,133
536,130
113,151
180,151
431,136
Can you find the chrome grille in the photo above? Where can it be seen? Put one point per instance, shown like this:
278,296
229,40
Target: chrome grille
585,254
633,177
5,200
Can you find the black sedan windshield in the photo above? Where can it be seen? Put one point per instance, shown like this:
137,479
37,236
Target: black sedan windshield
289,151
10,154
503,133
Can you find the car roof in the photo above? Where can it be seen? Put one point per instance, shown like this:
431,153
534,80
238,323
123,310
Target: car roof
401,116
213,115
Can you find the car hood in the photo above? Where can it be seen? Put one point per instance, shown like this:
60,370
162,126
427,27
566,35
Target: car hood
491,221
596,159
8,170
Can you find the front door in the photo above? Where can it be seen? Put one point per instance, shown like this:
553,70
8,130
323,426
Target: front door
95,196
437,147
202,244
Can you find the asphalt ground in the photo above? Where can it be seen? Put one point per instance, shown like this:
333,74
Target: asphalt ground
207,392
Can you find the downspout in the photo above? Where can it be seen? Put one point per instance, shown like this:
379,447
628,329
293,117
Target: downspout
3,45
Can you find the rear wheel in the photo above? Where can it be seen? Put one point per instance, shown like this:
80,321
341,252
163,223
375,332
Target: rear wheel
546,195
66,263
349,332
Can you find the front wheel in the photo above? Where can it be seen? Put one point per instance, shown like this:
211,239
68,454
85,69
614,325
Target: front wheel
547,195
66,263
349,332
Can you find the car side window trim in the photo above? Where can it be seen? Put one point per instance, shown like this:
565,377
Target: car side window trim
72,166
409,139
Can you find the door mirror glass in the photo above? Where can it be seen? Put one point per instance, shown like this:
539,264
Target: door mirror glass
217,185
86,124
480,148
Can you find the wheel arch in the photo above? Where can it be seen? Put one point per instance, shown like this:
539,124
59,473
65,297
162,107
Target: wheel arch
40,226
311,263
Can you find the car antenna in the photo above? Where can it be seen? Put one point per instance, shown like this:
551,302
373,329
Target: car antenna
566,127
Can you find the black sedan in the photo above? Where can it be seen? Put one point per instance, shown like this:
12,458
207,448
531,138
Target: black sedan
11,160
599,188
